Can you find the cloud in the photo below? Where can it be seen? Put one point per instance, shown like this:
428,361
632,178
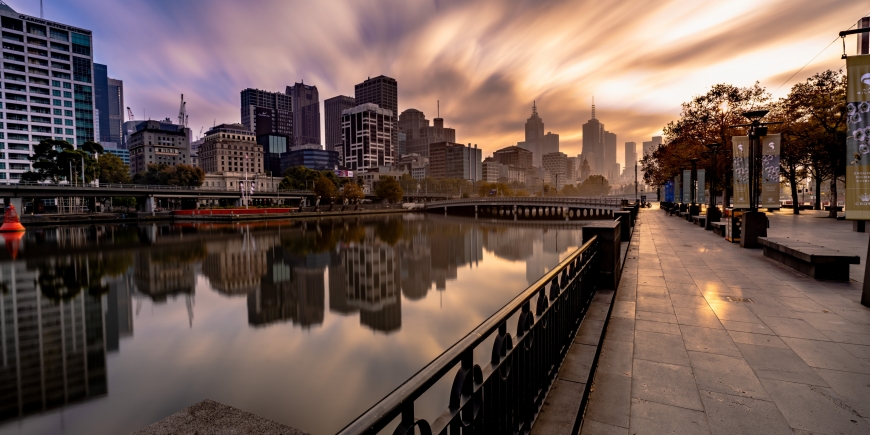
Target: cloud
486,60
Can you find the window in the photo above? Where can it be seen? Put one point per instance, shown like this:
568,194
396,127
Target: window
67,113
58,121
67,85
19,146
67,94
40,91
55,83
55,93
3,166
58,112
58,131
60,56
44,110
14,87
41,119
68,122
12,23
15,97
15,77
16,117
61,47
60,35
60,75
13,47
56,102
39,81
13,37
69,131
40,129
13,67
81,69
35,29
40,100
67,104
15,136
36,51
39,42
59,65
15,57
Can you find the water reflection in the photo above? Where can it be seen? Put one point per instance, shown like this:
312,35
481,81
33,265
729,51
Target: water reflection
70,295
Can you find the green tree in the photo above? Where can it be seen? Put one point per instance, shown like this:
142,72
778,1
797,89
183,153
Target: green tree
302,178
178,175
113,169
595,185
389,189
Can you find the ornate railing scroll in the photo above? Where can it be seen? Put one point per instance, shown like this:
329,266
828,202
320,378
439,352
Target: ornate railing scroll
504,396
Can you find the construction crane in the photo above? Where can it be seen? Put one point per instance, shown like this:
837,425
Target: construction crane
130,114
182,113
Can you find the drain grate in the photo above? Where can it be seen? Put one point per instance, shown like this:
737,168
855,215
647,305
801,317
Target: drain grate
736,299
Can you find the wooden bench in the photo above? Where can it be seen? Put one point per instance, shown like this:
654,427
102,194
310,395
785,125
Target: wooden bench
815,261
699,220
718,228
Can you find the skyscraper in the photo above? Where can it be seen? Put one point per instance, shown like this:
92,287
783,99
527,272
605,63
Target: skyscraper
630,156
551,143
367,132
534,136
44,100
306,113
419,134
333,108
593,143
109,102
265,112
650,146
610,153
383,91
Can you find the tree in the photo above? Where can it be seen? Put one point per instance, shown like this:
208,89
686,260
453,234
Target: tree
389,189
113,169
325,188
302,178
352,191
408,183
595,185
178,175
485,189
794,156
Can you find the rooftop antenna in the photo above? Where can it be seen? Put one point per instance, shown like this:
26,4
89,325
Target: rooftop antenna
41,13
534,107
439,108
593,107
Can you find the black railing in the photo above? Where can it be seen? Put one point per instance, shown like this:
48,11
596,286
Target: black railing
506,395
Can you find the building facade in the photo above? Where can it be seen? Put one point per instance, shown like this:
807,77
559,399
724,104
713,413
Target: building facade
556,164
514,156
419,134
593,143
455,160
306,113
551,143
630,156
312,156
231,148
333,108
156,142
367,132
610,154
109,102
535,135
49,87
491,170
275,147
384,92
265,112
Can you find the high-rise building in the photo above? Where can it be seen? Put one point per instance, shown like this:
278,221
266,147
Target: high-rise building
492,170
610,153
514,156
44,99
630,155
572,169
265,112
535,135
455,160
419,134
306,113
158,142
275,147
231,148
333,108
367,132
557,166
384,92
109,102
551,143
650,146
593,143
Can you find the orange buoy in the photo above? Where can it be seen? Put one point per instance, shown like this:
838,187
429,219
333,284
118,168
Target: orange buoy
12,240
10,221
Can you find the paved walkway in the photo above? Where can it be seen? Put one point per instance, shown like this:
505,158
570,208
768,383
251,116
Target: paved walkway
706,337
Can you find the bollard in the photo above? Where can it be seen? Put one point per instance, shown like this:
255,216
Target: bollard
625,221
609,262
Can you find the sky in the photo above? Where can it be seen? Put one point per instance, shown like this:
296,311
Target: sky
486,61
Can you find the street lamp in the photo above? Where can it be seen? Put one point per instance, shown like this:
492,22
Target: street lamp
713,212
693,179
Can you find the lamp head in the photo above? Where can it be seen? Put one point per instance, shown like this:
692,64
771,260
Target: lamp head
755,115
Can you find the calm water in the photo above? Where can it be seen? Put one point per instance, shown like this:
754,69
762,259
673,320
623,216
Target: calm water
106,329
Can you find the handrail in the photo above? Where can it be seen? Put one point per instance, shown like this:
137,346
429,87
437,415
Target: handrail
566,291
142,187
531,199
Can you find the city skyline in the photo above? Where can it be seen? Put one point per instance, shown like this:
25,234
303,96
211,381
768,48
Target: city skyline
423,48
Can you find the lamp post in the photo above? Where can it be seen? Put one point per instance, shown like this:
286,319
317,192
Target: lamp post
713,212
754,224
693,179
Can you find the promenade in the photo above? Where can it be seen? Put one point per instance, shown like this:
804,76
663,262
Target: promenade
709,338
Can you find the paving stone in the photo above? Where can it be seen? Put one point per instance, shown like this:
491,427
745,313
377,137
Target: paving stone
210,417
826,355
815,409
775,363
665,328
578,363
757,339
854,388
832,322
597,311
728,414
656,317
770,308
610,400
652,291
857,350
592,427
623,309
655,418
709,340
846,337
800,304
726,375
590,332
559,409
665,383
615,358
754,328
705,318
691,300
859,316
656,346
797,328
734,311
620,328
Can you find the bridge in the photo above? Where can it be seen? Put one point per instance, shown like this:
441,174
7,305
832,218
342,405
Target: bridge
547,207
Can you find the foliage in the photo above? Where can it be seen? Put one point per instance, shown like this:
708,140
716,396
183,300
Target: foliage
302,178
113,169
595,185
494,189
56,160
178,175
389,189
325,188
352,191
123,201
408,183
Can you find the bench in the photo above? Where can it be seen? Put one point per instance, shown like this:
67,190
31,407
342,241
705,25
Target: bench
815,261
699,220
718,228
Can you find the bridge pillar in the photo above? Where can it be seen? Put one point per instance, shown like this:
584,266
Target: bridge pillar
475,211
150,204
18,203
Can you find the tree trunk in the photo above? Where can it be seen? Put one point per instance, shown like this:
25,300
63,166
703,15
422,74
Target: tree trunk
817,203
833,212
792,180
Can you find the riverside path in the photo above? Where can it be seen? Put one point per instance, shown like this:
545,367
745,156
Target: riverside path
706,337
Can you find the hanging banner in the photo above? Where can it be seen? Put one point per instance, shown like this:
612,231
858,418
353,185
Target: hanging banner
687,187
857,140
740,167
770,146
678,188
669,191
701,198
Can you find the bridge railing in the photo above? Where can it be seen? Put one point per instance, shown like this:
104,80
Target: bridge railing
505,395
144,187
613,202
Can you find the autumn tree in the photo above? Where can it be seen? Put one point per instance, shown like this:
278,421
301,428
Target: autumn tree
325,188
389,189
352,192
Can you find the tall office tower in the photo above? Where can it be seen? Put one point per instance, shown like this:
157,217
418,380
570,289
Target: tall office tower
630,157
333,108
265,112
593,143
109,101
419,134
383,91
455,160
609,151
367,131
557,166
650,146
58,95
534,136
573,169
551,144
306,114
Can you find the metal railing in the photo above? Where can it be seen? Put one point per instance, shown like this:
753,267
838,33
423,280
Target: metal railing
142,187
507,394
566,200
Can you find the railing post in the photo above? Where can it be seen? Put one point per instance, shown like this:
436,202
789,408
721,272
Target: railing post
608,233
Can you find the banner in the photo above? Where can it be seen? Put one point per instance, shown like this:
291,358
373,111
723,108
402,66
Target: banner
740,167
669,191
770,146
687,187
678,188
857,143
701,198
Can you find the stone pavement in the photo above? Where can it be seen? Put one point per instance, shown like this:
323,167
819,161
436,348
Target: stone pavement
709,338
